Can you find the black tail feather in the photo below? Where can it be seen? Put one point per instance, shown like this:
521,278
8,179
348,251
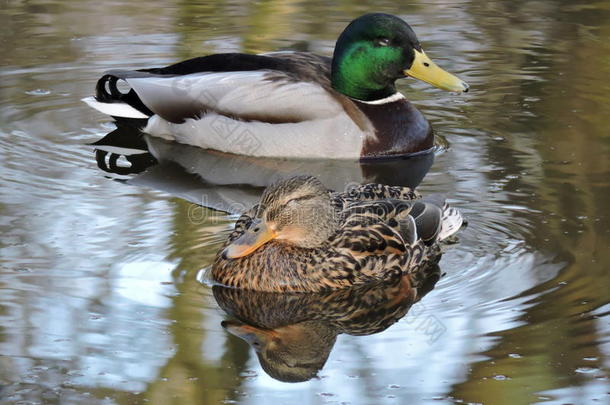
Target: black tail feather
107,91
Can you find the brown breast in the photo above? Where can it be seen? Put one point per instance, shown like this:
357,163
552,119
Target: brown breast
399,129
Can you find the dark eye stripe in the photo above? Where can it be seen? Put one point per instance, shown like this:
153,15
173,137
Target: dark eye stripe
273,212
305,197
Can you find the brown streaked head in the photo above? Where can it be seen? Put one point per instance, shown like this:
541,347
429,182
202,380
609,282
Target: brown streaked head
296,211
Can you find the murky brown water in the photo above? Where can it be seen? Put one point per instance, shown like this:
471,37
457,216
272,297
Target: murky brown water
100,301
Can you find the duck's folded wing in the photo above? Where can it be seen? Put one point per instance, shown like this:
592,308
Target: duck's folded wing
434,219
251,96
374,239
373,228
394,226
257,95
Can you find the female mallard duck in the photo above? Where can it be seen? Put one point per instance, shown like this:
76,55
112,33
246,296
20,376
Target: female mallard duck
289,104
302,237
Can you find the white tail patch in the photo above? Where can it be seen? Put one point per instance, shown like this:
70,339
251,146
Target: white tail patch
114,109
451,222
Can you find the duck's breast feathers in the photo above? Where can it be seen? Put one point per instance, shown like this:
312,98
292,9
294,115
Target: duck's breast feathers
400,128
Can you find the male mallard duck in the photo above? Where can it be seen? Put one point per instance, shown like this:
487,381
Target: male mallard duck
302,237
289,104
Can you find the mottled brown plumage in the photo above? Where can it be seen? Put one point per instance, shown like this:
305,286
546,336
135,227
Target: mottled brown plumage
293,334
334,240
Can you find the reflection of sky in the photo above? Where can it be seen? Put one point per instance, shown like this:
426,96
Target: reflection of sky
85,289
133,328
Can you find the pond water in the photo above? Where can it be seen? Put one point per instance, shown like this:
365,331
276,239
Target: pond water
101,299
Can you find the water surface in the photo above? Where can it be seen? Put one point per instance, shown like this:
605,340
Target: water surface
100,301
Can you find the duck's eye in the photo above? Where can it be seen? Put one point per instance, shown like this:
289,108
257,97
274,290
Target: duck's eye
383,41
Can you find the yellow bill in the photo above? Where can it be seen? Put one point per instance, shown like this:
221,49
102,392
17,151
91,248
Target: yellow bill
427,71
253,238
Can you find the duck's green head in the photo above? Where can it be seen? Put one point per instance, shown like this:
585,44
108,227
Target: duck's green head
375,50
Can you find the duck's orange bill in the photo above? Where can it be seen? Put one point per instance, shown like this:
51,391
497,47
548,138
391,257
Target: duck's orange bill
427,71
249,333
254,237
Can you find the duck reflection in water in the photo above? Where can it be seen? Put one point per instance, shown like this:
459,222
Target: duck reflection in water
293,334
223,181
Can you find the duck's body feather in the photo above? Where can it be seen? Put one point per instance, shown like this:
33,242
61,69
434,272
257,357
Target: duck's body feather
370,244
273,105
256,113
